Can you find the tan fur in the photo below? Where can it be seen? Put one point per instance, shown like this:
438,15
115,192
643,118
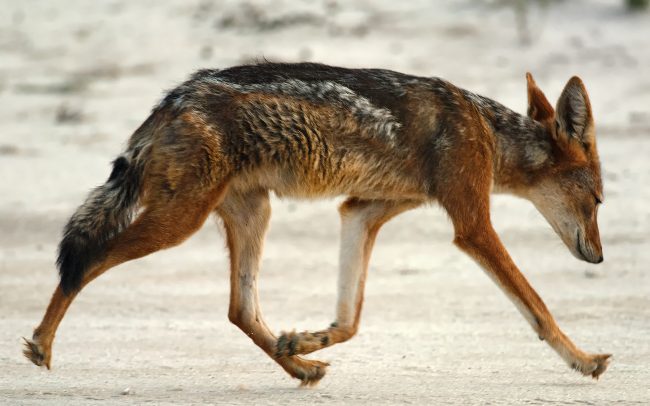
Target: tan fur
305,149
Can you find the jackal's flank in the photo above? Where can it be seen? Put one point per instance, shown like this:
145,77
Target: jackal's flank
222,141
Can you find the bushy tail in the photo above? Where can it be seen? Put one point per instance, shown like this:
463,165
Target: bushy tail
108,210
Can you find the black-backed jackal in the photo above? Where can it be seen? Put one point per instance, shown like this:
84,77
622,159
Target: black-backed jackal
220,142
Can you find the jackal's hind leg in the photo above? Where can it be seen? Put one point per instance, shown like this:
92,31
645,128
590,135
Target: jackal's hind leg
246,216
163,224
360,223
38,349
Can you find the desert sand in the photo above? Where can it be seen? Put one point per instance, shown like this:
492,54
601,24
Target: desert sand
77,77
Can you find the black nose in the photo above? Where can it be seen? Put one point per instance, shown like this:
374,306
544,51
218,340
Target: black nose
600,259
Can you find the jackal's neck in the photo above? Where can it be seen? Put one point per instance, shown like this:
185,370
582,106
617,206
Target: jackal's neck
523,146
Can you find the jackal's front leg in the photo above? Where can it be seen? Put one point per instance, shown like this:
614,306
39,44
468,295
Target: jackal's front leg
360,223
483,244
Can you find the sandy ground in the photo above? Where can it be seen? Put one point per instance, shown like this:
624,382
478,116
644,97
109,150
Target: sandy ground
77,77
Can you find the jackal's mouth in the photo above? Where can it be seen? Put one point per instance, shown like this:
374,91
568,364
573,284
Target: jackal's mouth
579,246
583,255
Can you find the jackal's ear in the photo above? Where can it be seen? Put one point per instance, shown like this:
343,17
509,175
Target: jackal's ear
574,118
539,108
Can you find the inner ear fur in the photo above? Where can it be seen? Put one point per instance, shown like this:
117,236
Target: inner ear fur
539,109
574,116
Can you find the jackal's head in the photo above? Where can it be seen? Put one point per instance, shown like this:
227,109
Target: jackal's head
569,191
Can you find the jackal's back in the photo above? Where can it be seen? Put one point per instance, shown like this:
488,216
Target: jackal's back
311,129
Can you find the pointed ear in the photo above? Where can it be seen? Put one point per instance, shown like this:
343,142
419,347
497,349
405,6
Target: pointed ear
574,118
539,108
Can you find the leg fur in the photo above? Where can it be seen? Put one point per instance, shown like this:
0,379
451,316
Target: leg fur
246,216
161,225
361,221
476,237
466,198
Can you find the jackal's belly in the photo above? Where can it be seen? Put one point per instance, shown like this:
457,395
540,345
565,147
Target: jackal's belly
332,167
304,148
360,175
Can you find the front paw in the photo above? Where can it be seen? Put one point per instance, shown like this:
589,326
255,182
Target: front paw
293,343
286,345
594,365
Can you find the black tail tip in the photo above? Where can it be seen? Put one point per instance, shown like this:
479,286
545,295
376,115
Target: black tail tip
71,269
76,256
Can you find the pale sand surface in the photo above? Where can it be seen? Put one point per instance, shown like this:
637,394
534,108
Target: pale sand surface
77,77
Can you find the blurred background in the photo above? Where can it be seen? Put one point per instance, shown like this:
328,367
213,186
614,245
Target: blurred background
77,77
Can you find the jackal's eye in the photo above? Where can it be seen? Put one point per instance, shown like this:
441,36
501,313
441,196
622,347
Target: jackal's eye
598,201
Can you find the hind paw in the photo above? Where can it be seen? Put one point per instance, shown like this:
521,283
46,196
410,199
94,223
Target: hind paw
310,372
36,352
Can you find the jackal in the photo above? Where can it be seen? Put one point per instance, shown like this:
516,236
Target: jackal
390,142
